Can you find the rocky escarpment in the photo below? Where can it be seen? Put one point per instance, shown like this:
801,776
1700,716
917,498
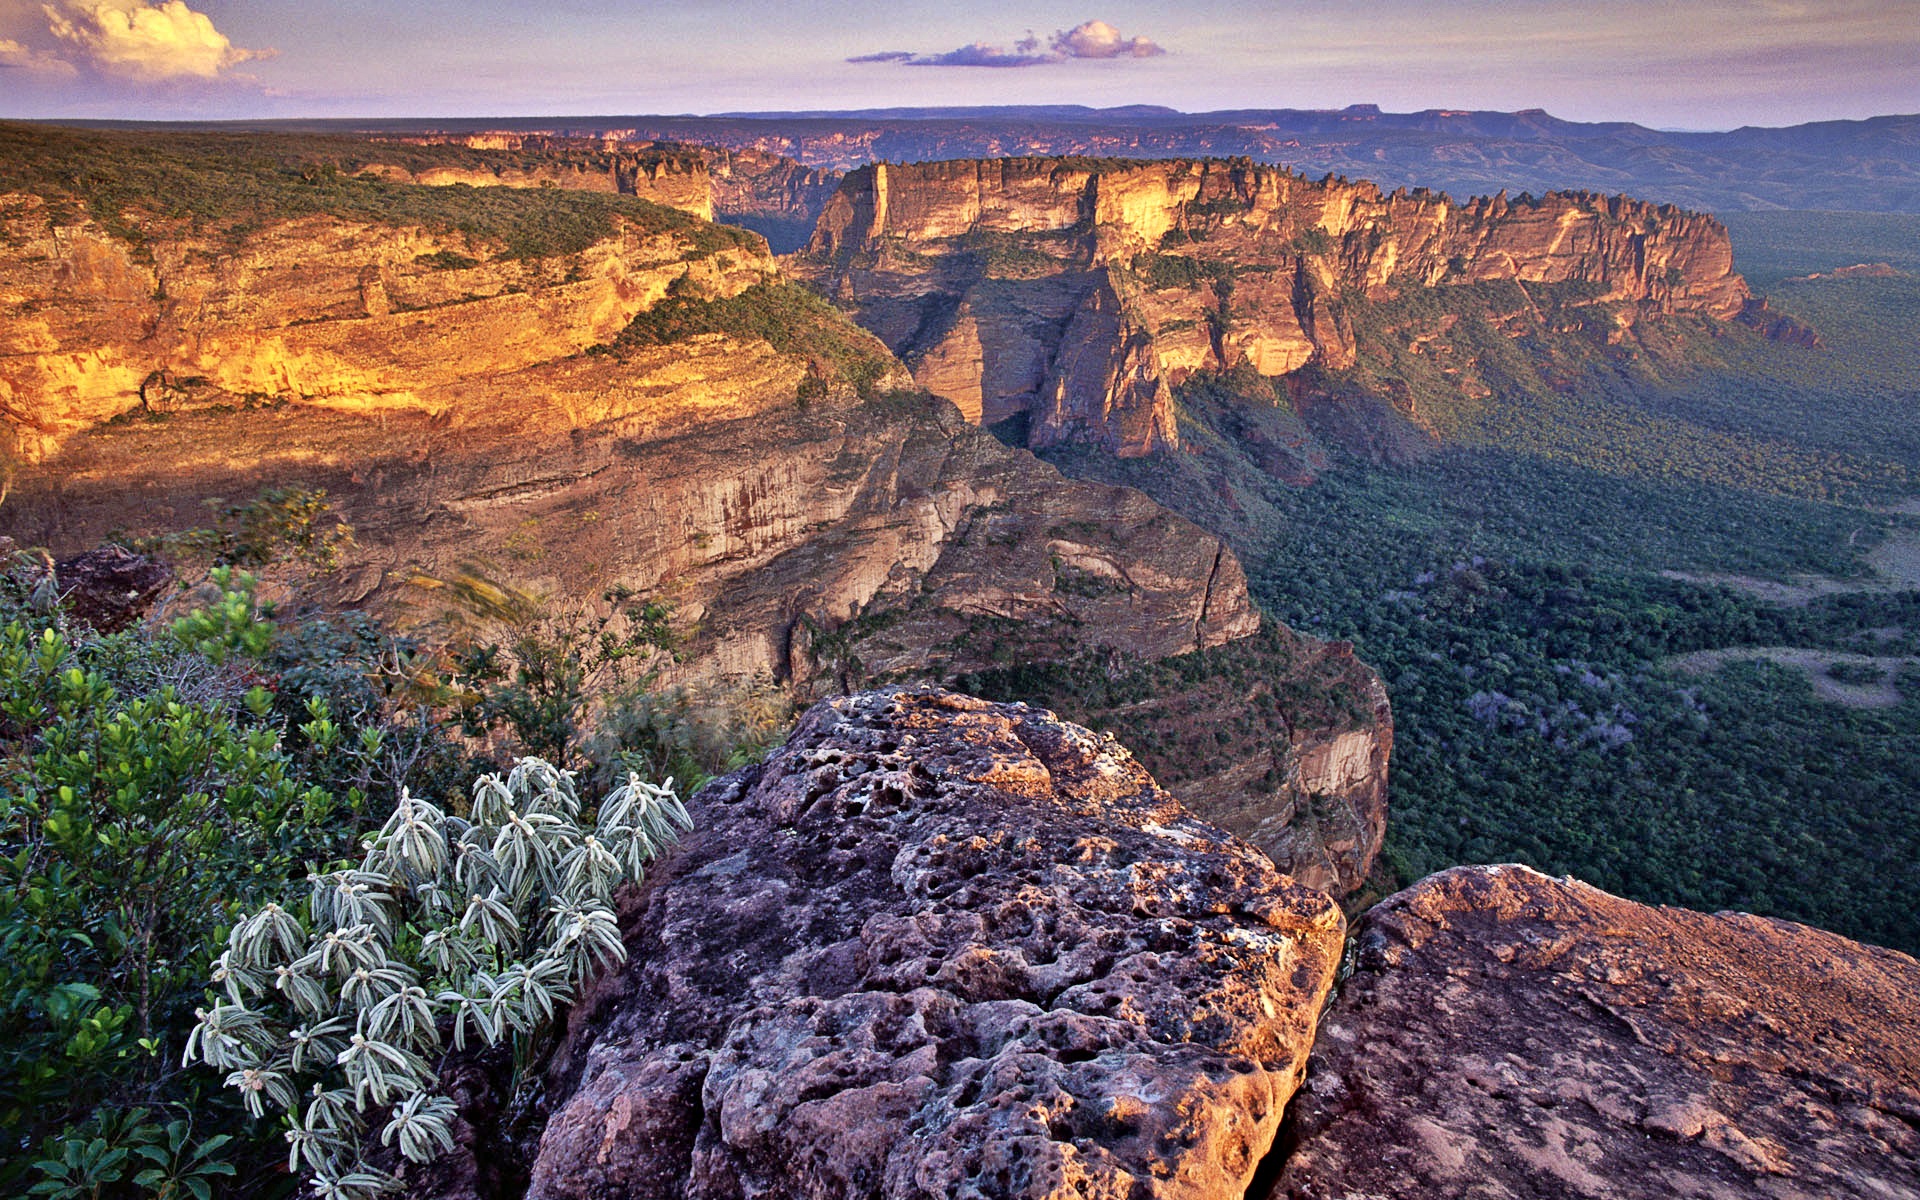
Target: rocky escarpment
322,310
1507,1034
672,175
772,195
486,424
941,947
1071,293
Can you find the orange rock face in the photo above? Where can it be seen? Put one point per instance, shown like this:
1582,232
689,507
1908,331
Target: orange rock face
1083,287
319,311
1508,1034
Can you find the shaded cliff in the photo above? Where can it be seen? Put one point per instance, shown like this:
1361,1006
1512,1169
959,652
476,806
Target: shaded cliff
1071,293
1283,740
775,197
1508,1034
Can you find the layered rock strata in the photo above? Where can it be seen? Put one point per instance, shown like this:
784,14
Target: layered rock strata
941,947
446,407
1505,1034
675,176
1071,293
322,311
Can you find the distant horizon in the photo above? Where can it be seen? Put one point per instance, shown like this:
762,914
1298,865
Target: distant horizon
1692,65
884,112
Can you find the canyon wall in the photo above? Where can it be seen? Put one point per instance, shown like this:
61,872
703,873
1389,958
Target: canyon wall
341,313
468,414
1072,292
675,176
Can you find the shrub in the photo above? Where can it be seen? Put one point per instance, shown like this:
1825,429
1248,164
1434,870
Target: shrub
450,929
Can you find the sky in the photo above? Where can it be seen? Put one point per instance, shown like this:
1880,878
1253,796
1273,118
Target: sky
1674,64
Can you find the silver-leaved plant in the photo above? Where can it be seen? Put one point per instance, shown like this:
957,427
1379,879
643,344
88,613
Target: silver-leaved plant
451,932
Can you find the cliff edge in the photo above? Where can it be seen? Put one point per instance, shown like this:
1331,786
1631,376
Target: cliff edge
1072,293
1508,1034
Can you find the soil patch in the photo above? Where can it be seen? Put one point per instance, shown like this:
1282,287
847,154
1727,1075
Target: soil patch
1817,665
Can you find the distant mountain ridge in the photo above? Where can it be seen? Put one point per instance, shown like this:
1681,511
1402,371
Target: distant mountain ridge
1870,165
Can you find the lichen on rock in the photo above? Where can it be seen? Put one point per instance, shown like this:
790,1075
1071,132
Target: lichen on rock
937,946
1506,1034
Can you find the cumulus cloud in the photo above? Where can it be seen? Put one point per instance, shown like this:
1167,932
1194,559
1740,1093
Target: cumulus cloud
15,56
1097,39
1089,39
147,42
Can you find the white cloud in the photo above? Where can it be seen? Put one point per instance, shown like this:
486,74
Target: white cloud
1089,39
1097,39
147,42
15,56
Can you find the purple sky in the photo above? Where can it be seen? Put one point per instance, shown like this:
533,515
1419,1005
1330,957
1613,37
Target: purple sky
1695,64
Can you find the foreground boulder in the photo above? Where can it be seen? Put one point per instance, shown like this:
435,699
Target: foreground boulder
1506,1034
938,946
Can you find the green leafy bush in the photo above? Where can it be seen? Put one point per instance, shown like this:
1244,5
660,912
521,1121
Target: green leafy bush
451,929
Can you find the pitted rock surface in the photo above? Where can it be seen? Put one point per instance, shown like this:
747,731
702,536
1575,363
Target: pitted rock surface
1505,1034
938,946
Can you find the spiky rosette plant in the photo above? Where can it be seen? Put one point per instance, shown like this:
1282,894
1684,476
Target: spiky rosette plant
452,932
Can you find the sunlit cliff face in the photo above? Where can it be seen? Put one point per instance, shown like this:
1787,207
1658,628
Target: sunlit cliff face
316,311
1077,292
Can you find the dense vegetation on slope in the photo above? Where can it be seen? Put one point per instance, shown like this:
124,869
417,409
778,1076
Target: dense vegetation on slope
157,782
230,184
1508,587
787,316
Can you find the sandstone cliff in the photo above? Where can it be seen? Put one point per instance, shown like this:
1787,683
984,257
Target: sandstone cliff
772,195
1070,292
440,391
940,947
341,313
1507,1034
675,176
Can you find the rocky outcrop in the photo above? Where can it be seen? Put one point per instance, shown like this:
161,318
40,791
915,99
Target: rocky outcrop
318,311
1074,290
941,947
672,175
1507,1034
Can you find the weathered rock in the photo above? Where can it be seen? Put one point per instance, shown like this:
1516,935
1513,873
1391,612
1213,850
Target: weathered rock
663,173
319,311
1505,1034
111,587
1308,787
942,947
1077,290
824,541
